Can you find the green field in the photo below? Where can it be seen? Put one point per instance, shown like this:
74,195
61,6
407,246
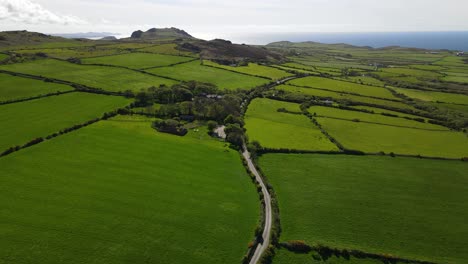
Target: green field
367,80
167,49
431,96
107,78
331,112
406,207
410,72
342,96
340,86
77,52
137,60
193,71
374,138
456,77
380,111
253,69
3,56
277,130
13,87
41,117
119,192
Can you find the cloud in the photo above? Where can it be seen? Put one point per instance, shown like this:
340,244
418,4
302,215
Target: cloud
28,12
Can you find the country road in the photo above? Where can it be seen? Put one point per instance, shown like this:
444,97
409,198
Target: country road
268,217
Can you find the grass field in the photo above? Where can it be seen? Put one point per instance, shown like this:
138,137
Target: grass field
380,111
340,86
137,60
277,130
107,78
253,69
431,96
167,49
374,138
456,77
366,80
406,207
13,87
79,52
372,118
193,71
411,72
119,192
3,56
28,120
342,96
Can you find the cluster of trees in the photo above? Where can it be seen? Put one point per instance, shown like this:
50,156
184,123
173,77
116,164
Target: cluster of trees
171,126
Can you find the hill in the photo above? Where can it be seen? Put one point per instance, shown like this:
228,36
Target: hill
23,38
160,33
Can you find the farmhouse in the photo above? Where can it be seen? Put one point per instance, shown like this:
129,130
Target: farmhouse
461,53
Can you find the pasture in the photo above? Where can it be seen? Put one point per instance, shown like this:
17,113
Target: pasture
432,96
106,78
253,69
14,88
3,56
120,192
193,71
373,138
341,86
28,120
137,60
278,130
345,201
385,111
170,49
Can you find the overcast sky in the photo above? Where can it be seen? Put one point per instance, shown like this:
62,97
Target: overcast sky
230,18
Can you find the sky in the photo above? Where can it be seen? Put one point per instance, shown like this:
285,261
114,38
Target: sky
231,19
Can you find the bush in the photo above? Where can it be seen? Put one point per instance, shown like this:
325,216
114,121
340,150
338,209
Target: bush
211,125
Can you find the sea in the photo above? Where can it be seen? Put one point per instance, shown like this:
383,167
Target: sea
451,40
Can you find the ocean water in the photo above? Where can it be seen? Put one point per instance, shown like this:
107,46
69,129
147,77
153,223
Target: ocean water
453,40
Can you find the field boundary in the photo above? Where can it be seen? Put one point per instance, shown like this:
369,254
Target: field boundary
242,73
36,97
170,65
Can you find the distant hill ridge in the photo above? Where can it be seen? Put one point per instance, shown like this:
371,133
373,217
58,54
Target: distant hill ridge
160,33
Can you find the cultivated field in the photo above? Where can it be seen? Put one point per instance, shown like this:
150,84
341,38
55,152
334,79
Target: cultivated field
106,78
137,60
222,78
14,88
431,96
166,49
405,207
42,117
253,69
118,192
278,130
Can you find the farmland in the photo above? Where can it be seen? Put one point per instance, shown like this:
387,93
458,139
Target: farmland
166,49
137,60
278,130
432,96
253,69
340,86
329,199
222,78
119,192
49,115
14,88
106,78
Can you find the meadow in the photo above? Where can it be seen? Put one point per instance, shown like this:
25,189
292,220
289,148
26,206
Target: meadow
278,130
14,88
28,120
341,86
106,78
432,96
385,111
344,201
366,80
81,52
373,138
137,60
3,56
322,111
253,69
410,72
118,192
456,77
193,71
167,49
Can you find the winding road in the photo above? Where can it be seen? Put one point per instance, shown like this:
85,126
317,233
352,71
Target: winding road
268,218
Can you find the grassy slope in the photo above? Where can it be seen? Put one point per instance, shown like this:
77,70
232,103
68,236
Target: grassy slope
375,138
12,87
345,201
373,118
340,86
167,49
107,78
42,117
254,69
433,96
119,192
283,130
137,60
222,78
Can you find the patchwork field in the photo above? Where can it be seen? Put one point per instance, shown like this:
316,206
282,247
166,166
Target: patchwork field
345,201
253,69
167,49
222,78
13,87
374,138
434,96
41,117
341,86
278,130
381,111
137,60
107,78
118,192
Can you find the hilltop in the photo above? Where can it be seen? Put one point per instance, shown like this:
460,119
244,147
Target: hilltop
160,33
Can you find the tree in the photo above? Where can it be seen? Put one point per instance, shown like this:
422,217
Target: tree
235,134
212,125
